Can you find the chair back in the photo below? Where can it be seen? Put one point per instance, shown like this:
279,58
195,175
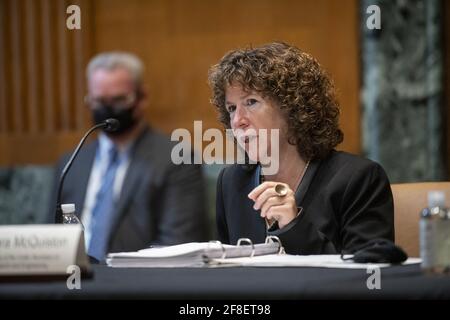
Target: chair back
409,200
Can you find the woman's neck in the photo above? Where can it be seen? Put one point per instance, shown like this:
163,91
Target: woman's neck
291,168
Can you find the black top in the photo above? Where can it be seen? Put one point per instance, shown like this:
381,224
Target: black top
346,201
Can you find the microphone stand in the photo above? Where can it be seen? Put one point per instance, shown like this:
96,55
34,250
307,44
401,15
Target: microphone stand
58,211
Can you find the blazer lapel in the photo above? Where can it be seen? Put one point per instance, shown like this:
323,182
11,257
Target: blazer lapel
254,226
303,188
133,175
132,179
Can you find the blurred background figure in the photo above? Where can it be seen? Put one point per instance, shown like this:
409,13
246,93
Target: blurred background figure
129,193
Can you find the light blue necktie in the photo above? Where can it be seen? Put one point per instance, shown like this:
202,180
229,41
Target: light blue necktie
102,214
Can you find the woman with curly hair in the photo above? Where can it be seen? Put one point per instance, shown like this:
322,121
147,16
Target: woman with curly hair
320,200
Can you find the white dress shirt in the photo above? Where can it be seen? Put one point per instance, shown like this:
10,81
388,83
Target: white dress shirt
95,179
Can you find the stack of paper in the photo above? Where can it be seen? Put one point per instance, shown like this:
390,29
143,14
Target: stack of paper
213,254
193,254
287,260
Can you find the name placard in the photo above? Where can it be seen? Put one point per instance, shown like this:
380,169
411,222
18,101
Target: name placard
41,249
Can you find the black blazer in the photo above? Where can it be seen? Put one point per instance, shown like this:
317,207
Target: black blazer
160,202
346,201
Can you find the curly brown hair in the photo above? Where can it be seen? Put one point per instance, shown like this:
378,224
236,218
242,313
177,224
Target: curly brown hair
297,84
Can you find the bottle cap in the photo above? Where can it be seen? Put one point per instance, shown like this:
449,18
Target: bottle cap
68,208
436,199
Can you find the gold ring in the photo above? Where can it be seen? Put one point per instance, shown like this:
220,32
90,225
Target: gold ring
281,190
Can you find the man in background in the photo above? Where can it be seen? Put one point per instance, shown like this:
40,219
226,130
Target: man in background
125,187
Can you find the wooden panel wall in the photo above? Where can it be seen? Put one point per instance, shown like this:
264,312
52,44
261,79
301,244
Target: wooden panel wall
42,63
41,80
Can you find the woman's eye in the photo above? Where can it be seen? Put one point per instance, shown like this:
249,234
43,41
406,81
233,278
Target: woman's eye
231,108
251,102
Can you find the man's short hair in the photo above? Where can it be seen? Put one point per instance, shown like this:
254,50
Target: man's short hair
116,59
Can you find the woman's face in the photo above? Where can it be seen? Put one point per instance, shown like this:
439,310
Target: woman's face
249,113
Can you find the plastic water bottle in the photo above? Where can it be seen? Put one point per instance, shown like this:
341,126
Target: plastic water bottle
435,234
69,215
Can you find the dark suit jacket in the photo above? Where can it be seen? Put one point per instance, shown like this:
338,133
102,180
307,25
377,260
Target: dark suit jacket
160,202
346,201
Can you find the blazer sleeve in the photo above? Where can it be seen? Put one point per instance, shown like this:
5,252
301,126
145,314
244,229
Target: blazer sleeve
365,212
222,228
367,209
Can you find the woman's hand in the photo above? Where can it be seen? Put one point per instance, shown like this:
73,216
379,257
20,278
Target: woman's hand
273,205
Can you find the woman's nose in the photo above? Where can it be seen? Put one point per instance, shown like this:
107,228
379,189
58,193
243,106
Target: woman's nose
239,119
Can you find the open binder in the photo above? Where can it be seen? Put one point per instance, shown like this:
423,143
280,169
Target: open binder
193,254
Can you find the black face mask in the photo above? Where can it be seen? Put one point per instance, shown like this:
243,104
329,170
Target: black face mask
123,115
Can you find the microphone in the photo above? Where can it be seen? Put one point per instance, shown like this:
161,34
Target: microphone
112,124
109,125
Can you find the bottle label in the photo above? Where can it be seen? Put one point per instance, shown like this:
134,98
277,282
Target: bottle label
443,243
428,242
